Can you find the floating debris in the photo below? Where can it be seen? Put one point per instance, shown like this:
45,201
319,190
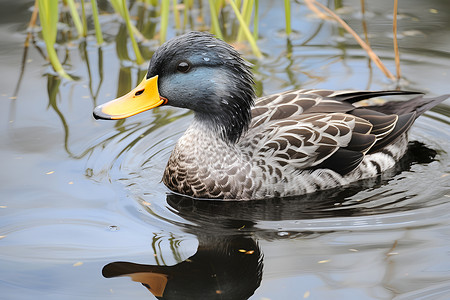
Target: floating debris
113,228
324,261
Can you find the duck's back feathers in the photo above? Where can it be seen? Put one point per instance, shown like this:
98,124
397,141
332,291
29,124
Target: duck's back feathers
314,129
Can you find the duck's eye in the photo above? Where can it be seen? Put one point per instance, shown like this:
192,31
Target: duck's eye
183,67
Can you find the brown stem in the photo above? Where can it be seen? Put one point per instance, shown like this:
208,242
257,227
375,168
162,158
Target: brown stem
394,28
363,44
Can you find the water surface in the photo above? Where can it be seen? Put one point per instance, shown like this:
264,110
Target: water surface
84,214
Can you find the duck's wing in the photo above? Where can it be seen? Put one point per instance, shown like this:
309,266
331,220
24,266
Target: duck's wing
286,104
319,129
336,141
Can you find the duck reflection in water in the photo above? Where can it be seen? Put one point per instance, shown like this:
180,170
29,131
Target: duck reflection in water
228,263
224,267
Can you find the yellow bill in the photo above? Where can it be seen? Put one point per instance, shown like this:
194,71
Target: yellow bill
143,97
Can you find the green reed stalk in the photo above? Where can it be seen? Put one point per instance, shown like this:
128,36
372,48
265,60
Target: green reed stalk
247,32
247,14
219,5
121,8
256,20
238,3
185,13
75,17
117,5
48,15
98,29
176,15
165,8
287,16
188,4
215,20
150,2
84,19
139,59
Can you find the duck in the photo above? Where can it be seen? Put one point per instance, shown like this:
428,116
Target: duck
238,147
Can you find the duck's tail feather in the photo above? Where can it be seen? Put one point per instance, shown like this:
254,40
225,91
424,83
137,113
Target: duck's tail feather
352,97
402,125
418,104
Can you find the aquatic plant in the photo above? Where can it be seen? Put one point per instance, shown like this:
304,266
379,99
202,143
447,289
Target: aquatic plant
48,13
138,17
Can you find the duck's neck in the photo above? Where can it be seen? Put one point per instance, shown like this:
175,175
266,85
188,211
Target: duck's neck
205,131
228,125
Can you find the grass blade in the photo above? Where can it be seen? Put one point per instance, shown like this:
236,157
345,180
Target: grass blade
287,16
48,15
247,32
83,17
75,17
246,14
117,5
215,20
256,20
98,29
139,59
165,8
176,15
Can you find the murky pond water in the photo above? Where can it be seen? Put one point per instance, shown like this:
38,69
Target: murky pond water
84,214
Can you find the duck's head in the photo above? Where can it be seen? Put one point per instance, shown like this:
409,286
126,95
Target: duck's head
198,72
